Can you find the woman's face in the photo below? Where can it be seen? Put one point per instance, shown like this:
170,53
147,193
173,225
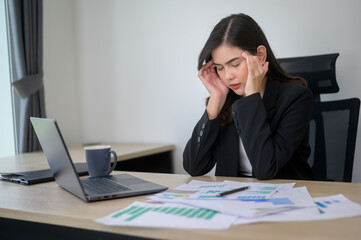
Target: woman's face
231,67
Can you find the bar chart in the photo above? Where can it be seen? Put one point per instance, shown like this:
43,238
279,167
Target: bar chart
137,211
168,215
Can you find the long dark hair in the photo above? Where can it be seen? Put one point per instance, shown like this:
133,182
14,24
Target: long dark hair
240,30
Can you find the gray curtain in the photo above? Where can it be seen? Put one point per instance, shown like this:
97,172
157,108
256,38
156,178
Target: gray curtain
25,30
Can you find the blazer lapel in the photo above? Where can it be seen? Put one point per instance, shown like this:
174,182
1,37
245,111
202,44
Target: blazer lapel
270,97
270,94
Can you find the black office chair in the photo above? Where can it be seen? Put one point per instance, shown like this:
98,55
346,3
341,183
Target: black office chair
333,127
319,72
333,131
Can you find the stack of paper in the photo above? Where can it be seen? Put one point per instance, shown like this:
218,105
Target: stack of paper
198,204
258,200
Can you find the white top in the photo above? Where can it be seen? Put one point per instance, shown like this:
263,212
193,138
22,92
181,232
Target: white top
245,166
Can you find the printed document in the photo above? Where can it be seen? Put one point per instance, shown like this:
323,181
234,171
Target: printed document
198,205
140,214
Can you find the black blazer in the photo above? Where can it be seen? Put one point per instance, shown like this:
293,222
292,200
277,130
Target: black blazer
274,132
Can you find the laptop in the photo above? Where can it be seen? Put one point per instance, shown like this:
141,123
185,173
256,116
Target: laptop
88,189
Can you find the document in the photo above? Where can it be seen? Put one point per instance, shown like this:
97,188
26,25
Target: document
330,207
284,198
140,214
197,205
206,190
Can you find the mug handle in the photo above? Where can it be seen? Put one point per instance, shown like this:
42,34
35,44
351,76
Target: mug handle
114,163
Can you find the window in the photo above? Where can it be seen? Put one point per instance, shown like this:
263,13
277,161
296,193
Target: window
7,136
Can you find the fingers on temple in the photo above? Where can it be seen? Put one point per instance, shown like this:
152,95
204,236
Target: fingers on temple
254,65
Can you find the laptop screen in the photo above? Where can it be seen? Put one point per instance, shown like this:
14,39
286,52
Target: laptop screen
57,155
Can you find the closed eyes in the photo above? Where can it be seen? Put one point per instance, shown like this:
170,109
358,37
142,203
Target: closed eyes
233,63
219,68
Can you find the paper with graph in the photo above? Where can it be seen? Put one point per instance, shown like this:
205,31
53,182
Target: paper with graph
210,191
329,207
196,205
140,214
259,200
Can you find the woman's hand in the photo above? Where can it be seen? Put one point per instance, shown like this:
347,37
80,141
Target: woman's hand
214,85
216,88
256,80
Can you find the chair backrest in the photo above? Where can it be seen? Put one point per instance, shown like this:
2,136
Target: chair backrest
333,130
319,72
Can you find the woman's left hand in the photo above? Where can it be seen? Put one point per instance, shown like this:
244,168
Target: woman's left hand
256,79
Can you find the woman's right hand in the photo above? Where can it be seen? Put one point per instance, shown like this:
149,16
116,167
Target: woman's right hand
216,88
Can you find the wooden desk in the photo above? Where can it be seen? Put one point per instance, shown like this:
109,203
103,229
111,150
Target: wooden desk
47,203
131,157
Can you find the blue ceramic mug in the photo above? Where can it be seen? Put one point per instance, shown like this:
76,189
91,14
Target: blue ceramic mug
98,160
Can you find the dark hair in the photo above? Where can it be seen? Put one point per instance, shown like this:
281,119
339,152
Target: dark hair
240,30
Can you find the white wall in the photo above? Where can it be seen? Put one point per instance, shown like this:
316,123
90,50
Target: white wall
62,100
129,71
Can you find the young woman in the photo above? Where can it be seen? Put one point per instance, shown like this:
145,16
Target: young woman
257,117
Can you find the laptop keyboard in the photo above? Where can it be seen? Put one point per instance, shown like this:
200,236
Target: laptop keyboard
102,185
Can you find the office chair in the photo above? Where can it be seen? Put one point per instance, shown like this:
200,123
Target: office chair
333,127
319,72
333,130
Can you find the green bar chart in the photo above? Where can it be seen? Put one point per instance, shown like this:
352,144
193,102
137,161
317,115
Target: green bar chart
135,212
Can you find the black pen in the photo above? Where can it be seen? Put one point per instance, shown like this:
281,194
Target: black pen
233,191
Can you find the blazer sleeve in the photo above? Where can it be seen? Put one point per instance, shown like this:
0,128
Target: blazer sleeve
198,154
267,150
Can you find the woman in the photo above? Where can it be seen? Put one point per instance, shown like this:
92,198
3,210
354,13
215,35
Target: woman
257,117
